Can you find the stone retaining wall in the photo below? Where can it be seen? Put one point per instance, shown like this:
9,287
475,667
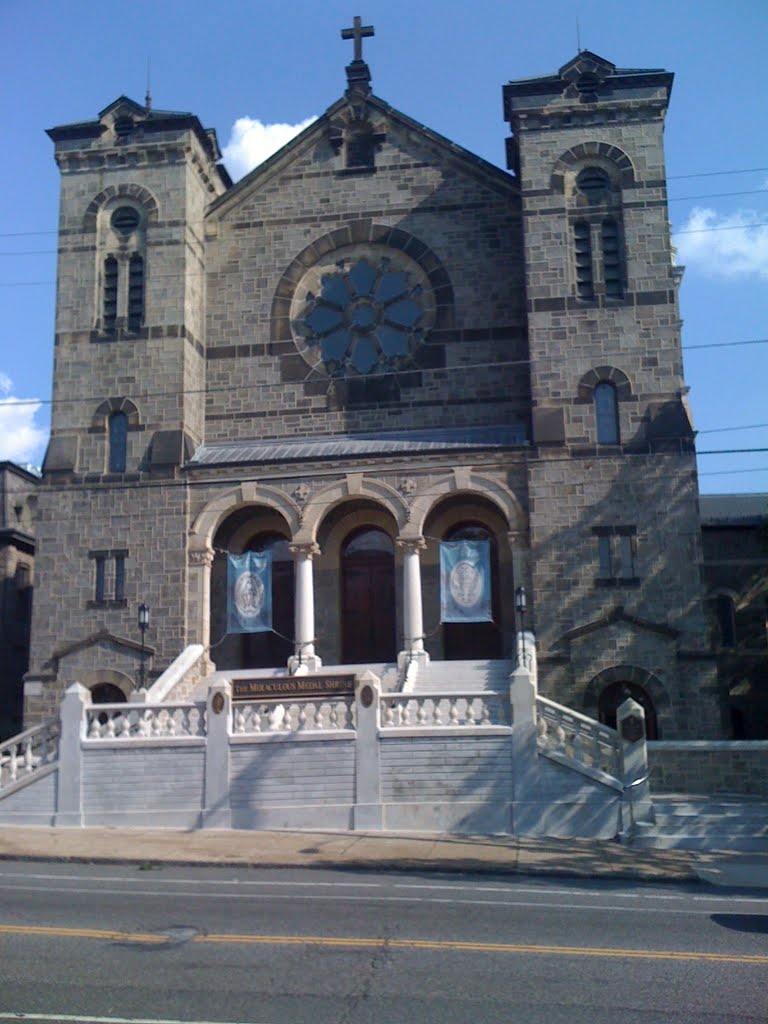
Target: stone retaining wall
709,767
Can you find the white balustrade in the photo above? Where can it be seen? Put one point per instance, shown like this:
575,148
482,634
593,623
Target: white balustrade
576,738
309,715
26,753
442,710
144,721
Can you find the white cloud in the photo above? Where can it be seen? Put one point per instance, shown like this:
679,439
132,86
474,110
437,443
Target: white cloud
724,245
21,440
252,141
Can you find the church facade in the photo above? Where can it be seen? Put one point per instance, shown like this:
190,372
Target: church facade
374,343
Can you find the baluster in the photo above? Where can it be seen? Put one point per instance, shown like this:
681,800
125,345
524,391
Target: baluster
334,715
485,712
110,727
93,731
421,711
172,721
125,729
453,713
470,712
541,730
405,713
437,715
389,714
240,718
288,718
28,765
578,746
559,734
14,763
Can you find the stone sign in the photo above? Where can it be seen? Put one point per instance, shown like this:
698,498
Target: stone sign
275,687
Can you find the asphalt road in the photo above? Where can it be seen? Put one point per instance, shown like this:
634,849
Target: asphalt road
105,943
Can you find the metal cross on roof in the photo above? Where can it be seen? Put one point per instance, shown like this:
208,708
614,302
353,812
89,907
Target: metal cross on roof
358,32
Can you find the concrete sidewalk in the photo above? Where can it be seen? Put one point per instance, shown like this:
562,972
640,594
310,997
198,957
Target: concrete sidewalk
580,858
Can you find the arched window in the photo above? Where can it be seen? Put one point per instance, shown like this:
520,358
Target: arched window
614,695
593,182
109,306
118,442
135,292
582,241
606,413
726,620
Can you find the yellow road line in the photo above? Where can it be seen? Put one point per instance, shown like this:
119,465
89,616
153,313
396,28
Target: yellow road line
367,943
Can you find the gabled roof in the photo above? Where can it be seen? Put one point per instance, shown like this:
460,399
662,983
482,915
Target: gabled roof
618,614
494,176
103,635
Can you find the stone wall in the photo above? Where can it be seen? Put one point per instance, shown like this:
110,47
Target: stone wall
709,768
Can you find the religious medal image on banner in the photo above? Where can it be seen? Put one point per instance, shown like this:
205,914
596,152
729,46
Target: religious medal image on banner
249,592
465,581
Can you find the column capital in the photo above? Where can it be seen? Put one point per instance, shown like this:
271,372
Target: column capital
516,539
411,544
305,549
201,557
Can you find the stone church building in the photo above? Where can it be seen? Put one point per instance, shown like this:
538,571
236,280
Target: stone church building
373,343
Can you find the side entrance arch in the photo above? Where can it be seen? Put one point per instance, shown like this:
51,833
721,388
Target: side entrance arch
368,621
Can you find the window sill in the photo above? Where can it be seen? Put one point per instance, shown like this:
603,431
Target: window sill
629,581
117,602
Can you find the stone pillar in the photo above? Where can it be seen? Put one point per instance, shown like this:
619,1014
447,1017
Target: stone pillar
413,617
367,810
216,807
69,785
630,724
199,588
528,810
304,659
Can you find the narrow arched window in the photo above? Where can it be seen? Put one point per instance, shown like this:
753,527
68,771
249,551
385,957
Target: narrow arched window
606,413
118,442
582,242
726,620
135,292
109,306
612,259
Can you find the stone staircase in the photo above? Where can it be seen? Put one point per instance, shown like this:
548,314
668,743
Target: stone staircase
458,676
685,822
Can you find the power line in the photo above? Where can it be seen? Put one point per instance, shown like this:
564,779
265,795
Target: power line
714,174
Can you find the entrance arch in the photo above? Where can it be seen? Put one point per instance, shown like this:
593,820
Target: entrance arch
368,618
253,528
469,641
271,650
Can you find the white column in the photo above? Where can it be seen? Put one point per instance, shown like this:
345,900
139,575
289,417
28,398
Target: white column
199,591
413,617
304,659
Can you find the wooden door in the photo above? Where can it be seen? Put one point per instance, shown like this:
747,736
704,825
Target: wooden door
368,598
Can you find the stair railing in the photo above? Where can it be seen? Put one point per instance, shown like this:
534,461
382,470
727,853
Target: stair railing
29,751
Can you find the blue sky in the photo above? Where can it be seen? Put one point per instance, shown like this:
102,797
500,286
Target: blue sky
443,63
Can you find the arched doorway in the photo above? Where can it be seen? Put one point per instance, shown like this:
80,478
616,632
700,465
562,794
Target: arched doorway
107,693
614,695
272,650
368,629
468,641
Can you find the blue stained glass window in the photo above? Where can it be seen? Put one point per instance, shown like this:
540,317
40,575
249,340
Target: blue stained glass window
404,313
365,316
335,290
118,442
364,356
393,342
323,318
392,285
335,345
606,414
362,276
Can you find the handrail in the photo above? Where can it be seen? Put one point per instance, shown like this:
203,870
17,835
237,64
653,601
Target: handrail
27,752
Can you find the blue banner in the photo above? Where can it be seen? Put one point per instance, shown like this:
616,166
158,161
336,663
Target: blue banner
465,581
249,592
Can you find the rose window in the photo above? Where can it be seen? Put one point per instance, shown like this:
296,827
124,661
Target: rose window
361,315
